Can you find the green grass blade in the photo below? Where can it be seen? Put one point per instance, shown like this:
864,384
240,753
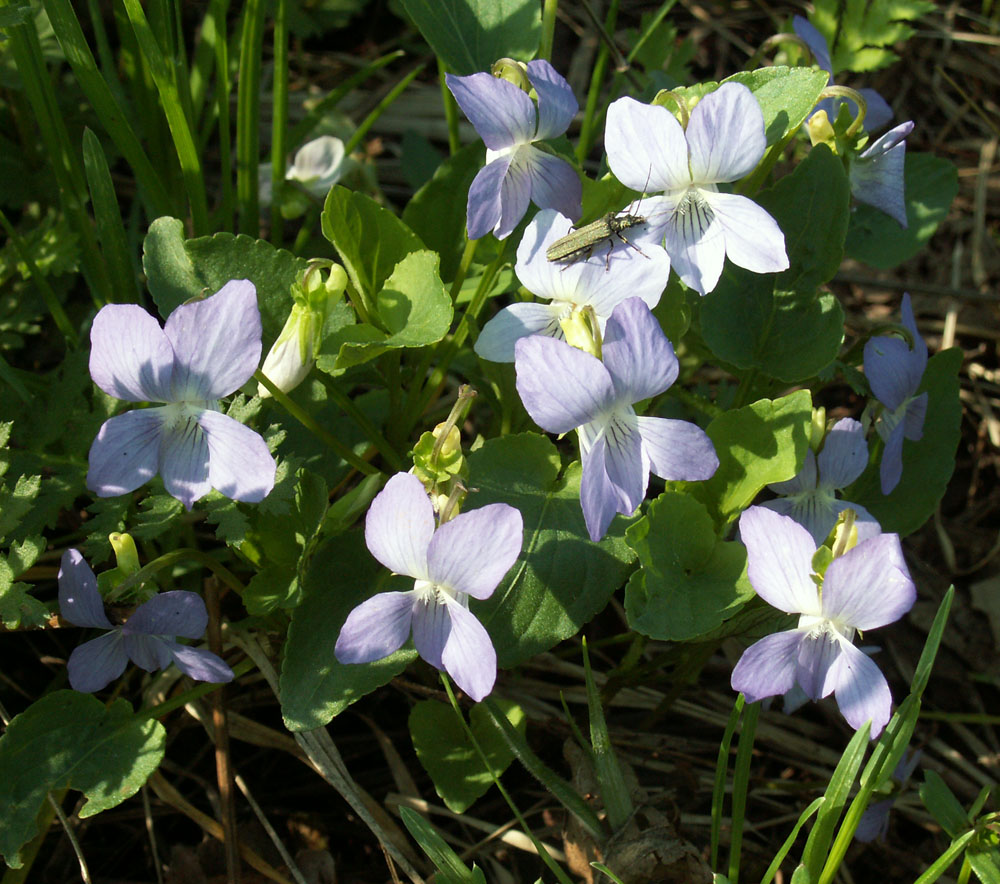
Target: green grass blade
937,868
721,769
447,862
380,108
562,790
614,792
213,33
248,118
741,781
174,110
922,673
110,227
298,133
64,162
779,857
818,844
107,107
279,118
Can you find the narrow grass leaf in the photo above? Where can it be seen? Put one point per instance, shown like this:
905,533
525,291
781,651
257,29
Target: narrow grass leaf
721,769
937,868
609,773
779,857
447,862
741,781
110,227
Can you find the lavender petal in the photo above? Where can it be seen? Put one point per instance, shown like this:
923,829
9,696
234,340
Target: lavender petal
80,601
767,667
376,628
779,561
869,586
636,353
468,656
173,613
556,103
677,450
126,452
861,690
502,114
130,357
240,465
400,525
725,135
94,664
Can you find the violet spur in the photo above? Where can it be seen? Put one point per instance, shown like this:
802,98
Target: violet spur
867,587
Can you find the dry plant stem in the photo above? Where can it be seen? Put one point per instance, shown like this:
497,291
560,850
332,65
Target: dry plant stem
286,857
68,829
168,794
147,812
325,758
223,765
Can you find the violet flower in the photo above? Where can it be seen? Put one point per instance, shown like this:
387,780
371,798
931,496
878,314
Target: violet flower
877,112
206,350
865,588
594,282
566,389
466,556
516,172
810,497
894,372
699,226
148,638
877,173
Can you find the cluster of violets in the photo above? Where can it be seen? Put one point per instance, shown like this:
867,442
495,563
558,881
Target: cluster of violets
589,382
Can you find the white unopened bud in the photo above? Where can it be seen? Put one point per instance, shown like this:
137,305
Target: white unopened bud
292,355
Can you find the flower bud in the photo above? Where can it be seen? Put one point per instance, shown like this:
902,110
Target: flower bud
293,354
821,130
817,429
512,71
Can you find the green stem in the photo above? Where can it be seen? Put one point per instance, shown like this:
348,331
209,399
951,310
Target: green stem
721,769
350,408
445,352
741,780
184,553
745,388
379,109
542,852
594,93
189,696
548,29
307,420
450,112
279,119
463,268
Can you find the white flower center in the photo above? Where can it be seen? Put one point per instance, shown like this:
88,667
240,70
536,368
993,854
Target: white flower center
817,627
182,417
692,215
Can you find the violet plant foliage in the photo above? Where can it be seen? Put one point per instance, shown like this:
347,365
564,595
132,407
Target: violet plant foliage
878,113
599,281
465,557
517,172
895,371
206,350
565,389
810,497
867,587
148,638
698,224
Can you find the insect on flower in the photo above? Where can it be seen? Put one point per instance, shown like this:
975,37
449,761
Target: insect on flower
581,241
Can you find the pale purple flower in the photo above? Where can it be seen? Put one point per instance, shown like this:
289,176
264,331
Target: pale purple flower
698,225
565,389
865,588
516,172
206,350
874,822
148,638
877,113
594,282
466,556
877,173
894,372
810,498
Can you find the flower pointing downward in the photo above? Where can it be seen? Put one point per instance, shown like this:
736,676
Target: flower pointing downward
466,556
